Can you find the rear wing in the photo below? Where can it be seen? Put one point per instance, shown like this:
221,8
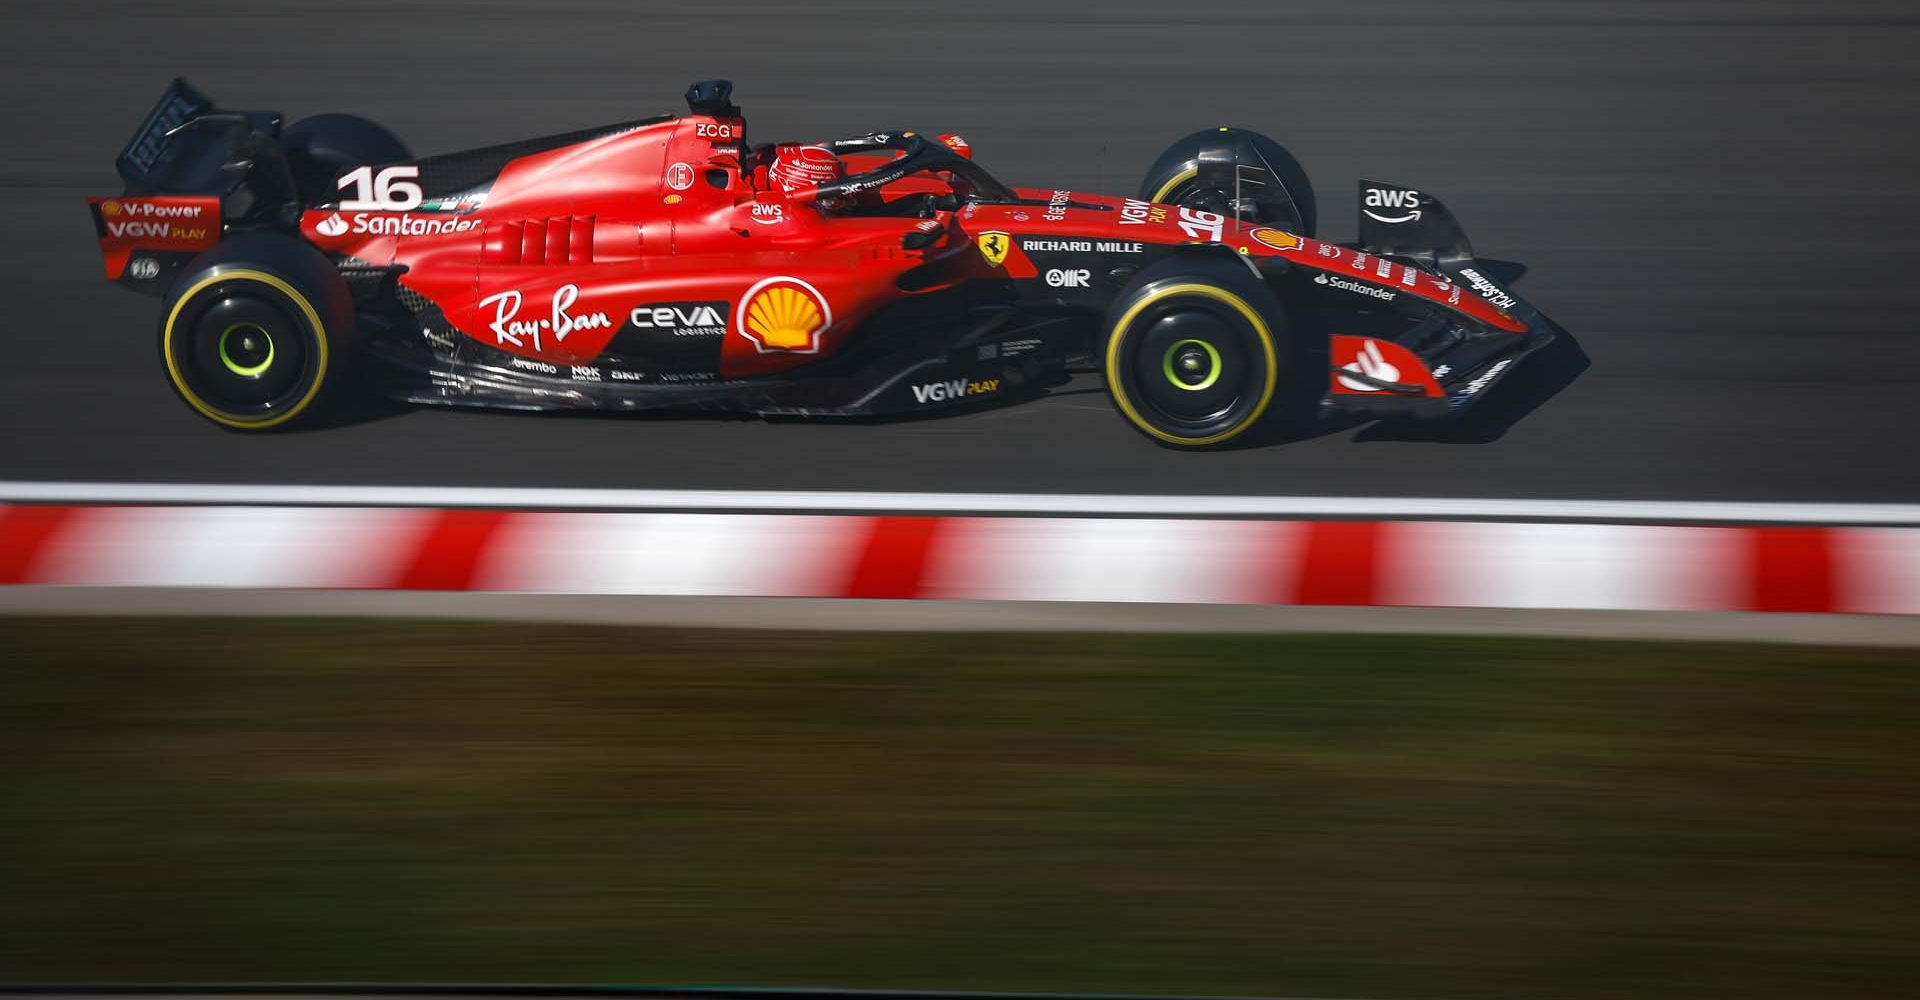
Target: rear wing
137,163
189,145
190,170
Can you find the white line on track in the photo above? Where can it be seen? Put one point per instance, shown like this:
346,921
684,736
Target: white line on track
1064,504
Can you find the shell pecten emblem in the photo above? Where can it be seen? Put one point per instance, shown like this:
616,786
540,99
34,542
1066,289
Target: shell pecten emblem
1276,239
784,314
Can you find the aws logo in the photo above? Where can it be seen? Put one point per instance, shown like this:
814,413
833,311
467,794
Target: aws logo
1403,200
784,314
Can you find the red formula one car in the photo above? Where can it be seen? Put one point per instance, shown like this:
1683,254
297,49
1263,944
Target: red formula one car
671,263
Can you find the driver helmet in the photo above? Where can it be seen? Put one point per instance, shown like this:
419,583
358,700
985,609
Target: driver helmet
796,166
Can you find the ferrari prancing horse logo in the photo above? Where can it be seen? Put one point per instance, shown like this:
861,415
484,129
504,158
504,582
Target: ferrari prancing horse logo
994,247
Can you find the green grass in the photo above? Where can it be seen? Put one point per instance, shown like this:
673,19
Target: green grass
351,800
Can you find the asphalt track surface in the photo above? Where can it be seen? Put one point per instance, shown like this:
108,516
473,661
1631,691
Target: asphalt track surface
1716,198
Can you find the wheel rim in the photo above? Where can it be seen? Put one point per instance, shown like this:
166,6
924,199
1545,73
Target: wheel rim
242,352
1190,367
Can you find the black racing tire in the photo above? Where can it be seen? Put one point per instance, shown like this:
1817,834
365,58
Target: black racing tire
1174,179
321,148
1195,348
253,331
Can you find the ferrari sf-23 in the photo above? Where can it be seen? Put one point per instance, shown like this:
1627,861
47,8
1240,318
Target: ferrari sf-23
669,262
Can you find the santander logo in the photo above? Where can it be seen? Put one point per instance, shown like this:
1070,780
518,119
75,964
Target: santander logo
332,225
1371,363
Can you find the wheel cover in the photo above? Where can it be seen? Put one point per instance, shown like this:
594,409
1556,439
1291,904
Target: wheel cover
1228,391
248,387
1191,364
246,349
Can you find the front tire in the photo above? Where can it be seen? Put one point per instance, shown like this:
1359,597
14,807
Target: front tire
253,331
1195,348
1274,190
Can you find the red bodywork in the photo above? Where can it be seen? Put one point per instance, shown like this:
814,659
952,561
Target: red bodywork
153,222
569,245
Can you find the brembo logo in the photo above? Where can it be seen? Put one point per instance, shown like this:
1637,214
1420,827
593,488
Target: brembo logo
1406,201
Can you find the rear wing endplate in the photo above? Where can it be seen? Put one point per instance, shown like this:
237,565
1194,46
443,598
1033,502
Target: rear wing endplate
181,104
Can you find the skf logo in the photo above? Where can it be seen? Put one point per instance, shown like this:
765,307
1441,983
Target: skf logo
1277,239
994,247
1403,200
1076,278
784,314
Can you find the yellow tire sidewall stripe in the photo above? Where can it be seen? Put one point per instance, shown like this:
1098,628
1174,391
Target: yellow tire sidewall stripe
1118,335
208,411
1178,179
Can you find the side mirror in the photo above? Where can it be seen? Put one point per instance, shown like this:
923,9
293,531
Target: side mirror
923,236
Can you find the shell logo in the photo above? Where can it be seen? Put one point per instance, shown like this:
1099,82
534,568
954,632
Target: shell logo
1277,239
784,314
109,208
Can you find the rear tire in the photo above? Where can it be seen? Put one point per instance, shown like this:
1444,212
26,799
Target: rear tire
1174,180
321,148
1195,349
254,329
